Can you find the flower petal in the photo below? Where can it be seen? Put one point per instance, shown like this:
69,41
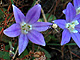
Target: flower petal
64,11
65,37
76,38
13,31
61,23
23,42
77,27
19,16
33,14
77,18
76,3
36,37
41,26
70,13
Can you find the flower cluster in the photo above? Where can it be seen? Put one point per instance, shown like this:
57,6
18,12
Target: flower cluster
28,28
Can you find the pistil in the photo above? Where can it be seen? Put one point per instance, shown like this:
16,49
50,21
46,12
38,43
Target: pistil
71,26
25,27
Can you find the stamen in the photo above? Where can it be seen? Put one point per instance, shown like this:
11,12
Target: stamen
75,22
71,26
25,27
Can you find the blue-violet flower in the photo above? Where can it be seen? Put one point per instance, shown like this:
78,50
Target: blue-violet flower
76,6
27,27
70,26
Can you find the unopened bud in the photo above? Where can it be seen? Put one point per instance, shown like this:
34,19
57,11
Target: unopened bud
54,26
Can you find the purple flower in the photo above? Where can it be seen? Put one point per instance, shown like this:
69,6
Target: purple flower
70,26
27,27
76,6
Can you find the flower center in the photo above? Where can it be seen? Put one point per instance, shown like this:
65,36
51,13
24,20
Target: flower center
71,26
78,10
25,27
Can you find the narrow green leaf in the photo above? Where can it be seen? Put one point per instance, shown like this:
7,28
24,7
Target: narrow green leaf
71,44
60,44
53,44
46,53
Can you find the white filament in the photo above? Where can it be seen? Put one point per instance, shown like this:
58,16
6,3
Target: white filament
25,27
71,26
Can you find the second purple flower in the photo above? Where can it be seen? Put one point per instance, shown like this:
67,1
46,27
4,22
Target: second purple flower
71,25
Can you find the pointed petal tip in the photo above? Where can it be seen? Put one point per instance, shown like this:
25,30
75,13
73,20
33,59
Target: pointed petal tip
62,44
44,44
78,45
12,5
69,3
64,11
4,32
39,5
19,54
